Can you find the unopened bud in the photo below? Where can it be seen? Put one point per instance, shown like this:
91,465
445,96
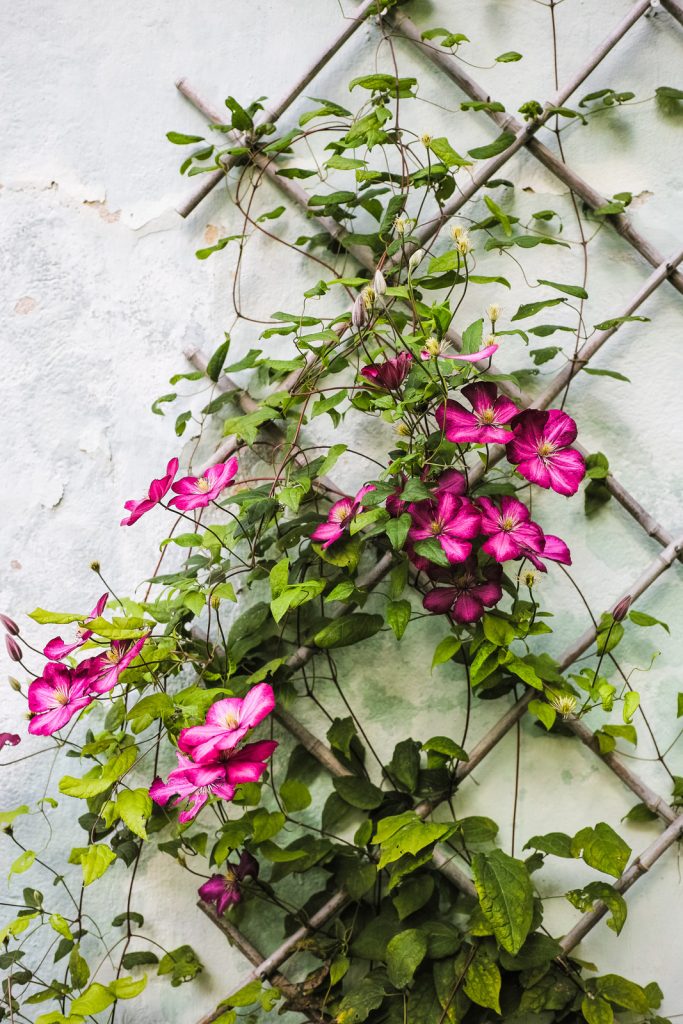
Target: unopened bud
10,625
359,313
494,312
415,260
14,683
432,346
457,232
13,648
426,140
95,566
400,225
621,608
215,600
464,244
379,283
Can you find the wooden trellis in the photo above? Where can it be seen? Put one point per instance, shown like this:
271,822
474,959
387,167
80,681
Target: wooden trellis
402,26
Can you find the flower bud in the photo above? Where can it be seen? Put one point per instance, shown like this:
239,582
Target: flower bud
13,648
621,608
10,625
95,566
14,683
379,283
359,313
494,312
400,225
215,601
415,260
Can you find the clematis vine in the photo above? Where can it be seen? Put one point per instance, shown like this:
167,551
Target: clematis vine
469,593
339,517
225,890
57,648
194,782
158,489
58,695
227,722
540,448
486,424
198,491
451,520
391,373
106,668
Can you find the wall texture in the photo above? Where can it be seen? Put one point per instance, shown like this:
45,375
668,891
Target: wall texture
101,292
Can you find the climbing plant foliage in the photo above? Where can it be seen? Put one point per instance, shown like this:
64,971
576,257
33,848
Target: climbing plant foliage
168,714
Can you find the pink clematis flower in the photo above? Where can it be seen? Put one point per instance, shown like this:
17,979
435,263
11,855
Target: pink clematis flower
105,669
56,697
461,357
554,549
391,373
57,649
452,481
197,782
510,529
339,517
485,424
157,490
471,592
226,889
197,491
451,520
227,722
540,450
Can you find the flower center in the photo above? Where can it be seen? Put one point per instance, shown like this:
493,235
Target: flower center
545,449
62,694
508,523
341,513
113,656
436,526
202,484
230,876
487,415
230,720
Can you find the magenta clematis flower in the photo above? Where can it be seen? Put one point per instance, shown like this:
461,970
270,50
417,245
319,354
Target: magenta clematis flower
197,491
485,424
452,481
339,517
554,549
227,722
56,697
471,592
510,530
461,357
157,490
391,373
226,889
197,782
105,669
540,450
57,649
451,520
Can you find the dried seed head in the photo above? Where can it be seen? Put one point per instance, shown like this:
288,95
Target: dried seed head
402,429
464,244
400,225
10,625
457,232
368,296
426,140
13,648
621,608
529,578
95,566
433,346
494,312
379,283
564,704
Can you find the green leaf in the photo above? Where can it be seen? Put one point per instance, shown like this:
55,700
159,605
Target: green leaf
531,308
7,817
443,150
506,897
134,807
482,982
349,629
94,861
508,57
584,899
631,704
357,1005
596,1011
412,895
571,289
406,833
606,373
404,766
55,618
622,993
217,360
405,953
58,924
179,139
23,862
358,792
447,747
494,148
398,616
95,998
556,843
127,988
642,619
294,795
397,530
498,630
607,325
602,848
445,650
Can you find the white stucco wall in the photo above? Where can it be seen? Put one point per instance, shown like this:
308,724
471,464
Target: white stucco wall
101,291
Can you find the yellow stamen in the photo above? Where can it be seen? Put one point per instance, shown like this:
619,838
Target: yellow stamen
202,484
